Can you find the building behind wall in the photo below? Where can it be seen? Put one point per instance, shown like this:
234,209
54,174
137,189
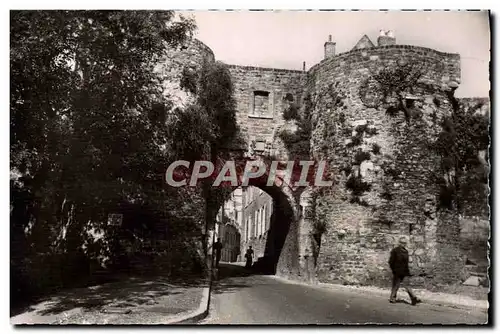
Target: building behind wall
385,173
244,221
228,227
257,210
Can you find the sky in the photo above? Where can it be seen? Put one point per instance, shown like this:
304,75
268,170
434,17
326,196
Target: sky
285,39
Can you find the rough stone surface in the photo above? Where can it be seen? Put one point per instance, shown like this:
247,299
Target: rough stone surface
402,168
388,157
189,56
472,281
261,123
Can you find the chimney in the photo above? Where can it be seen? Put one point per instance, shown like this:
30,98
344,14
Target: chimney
329,48
303,66
386,38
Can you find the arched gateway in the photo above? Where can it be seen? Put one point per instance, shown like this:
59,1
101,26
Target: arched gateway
285,252
384,171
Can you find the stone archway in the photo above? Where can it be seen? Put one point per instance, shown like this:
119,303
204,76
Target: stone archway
282,251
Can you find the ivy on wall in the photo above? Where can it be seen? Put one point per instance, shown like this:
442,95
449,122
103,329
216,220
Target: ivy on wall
465,133
298,143
390,87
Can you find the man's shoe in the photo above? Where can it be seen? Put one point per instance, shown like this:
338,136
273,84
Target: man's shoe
392,300
415,301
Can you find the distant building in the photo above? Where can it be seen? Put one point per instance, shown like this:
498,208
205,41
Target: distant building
257,210
244,221
228,226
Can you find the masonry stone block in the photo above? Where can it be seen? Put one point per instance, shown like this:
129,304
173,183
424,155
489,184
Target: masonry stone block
359,234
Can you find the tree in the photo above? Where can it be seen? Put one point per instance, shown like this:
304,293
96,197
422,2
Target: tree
85,134
393,84
464,135
216,115
206,128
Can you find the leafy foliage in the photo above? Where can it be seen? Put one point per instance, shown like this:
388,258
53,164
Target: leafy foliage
291,113
464,135
376,148
298,143
394,83
318,213
83,89
361,156
357,186
92,131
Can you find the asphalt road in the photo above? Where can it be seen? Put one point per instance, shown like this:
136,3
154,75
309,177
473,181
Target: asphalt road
239,298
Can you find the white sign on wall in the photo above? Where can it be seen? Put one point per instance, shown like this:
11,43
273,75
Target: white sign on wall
115,219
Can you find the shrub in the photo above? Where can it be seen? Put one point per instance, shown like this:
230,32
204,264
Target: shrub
357,200
360,129
361,156
357,186
355,141
436,101
371,131
291,113
376,148
386,195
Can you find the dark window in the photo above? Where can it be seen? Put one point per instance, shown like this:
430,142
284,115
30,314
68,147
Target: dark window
261,102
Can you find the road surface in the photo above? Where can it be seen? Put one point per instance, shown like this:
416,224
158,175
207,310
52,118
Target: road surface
240,298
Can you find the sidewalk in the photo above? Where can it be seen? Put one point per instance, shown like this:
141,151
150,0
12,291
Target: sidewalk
135,301
428,297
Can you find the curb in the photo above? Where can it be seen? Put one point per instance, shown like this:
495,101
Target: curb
197,315
476,304
385,292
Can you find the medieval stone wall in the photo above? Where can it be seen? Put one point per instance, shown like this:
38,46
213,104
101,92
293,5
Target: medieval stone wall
383,166
262,94
254,201
384,170
188,57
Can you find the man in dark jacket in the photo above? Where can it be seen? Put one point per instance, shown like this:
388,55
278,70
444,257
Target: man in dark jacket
218,252
249,257
399,266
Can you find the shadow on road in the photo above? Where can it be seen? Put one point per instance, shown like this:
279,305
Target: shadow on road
229,278
402,301
128,292
119,290
227,270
